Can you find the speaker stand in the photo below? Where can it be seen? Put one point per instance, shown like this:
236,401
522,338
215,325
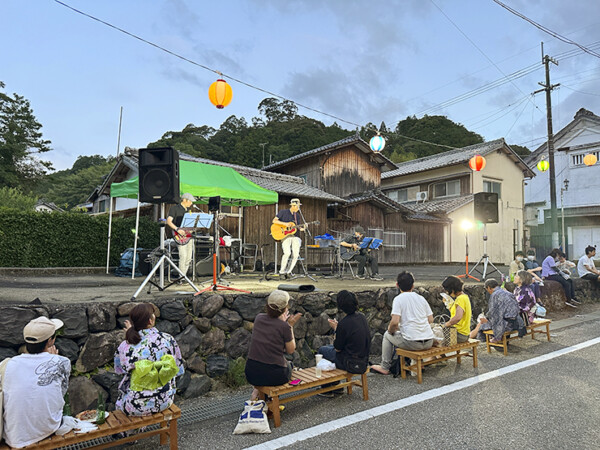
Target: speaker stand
485,259
160,285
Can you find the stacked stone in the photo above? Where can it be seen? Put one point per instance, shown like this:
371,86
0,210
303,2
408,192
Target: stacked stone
213,330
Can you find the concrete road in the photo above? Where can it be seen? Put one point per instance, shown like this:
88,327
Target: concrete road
23,286
542,395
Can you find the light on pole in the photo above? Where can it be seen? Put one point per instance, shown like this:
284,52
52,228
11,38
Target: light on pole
562,211
262,144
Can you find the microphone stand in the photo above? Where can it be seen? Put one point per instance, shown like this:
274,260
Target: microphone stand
306,274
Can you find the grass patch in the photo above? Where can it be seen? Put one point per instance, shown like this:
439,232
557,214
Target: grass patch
235,376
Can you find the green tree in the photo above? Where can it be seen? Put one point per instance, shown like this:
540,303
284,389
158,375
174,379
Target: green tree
21,143
16,199
520,150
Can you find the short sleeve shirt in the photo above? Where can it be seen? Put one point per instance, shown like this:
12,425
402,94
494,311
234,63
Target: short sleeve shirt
177,212
514,267
269,336
285,215
464,325
585,260
549,266
413,310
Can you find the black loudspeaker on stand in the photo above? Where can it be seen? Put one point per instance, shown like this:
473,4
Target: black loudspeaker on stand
159,175
486,207
486,211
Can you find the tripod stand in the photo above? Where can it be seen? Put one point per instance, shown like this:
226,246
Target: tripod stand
216,276
160,265
485,259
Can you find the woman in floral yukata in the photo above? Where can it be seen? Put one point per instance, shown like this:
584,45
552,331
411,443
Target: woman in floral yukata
150,361
525,295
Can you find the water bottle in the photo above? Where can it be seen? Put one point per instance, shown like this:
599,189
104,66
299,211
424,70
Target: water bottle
318,359
101,410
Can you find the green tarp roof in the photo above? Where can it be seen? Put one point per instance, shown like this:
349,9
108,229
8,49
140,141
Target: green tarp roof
208,180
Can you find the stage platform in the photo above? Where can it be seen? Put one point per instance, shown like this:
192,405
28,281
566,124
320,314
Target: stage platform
24,286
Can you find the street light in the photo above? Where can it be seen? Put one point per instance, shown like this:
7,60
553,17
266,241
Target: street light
466,225
562,211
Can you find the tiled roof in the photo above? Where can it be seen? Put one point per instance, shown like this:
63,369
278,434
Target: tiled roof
453,157
444,206
283,184
582,114
354,139
390,205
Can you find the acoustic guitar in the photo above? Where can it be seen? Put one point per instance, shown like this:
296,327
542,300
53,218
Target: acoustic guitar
282,231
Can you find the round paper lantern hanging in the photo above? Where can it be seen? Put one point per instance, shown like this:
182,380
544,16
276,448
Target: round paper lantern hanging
590,160
543,165
377,143
477,163
220,93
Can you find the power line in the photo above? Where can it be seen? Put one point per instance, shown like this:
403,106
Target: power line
480,51
236,79
580,92
547,30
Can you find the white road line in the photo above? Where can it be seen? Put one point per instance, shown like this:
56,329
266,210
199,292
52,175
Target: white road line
403,403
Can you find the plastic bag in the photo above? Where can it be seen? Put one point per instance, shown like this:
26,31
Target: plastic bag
253,419
540,311
438,335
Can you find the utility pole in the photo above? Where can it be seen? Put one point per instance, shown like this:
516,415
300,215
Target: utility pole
547,87
262,144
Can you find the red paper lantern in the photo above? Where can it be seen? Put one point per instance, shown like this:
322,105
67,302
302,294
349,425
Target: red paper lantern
477,163
220,93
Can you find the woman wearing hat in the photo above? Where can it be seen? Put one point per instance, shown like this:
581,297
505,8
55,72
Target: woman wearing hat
272,337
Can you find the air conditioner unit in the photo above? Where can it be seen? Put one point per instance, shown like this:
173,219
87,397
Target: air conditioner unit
421,196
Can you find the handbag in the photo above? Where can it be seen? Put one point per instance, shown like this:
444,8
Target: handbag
450,333
356,365
253,419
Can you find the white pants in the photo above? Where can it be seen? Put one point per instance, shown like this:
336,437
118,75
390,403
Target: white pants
290,246
185,256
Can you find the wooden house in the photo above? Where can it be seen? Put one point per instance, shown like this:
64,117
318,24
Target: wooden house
351,170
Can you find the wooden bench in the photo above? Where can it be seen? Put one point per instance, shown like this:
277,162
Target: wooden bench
532,329
437,354
118,422
306,387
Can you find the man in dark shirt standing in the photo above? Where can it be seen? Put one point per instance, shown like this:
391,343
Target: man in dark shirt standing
174,219
290,244
362,256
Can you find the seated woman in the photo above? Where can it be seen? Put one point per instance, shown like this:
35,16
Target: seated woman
551,271
350,350
459,307
516,265
150,361
525,295
272,335
502,316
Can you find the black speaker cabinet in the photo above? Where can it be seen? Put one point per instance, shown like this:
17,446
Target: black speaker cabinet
159,175
214,203
486,207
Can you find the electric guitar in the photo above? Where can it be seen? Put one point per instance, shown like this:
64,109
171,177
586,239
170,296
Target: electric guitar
280,232
182,240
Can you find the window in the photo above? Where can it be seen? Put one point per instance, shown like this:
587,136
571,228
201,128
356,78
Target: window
102,206
304,177
577,160
391,238
493,187
446,189
399,195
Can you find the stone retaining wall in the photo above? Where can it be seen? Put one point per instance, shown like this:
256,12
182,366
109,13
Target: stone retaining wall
212,330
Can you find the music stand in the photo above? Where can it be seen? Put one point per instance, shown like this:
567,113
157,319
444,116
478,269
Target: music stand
215,286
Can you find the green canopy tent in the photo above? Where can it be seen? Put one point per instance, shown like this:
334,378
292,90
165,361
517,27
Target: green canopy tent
202,181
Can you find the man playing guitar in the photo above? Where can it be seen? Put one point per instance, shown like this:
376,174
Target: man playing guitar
174,222
290,244
350,245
